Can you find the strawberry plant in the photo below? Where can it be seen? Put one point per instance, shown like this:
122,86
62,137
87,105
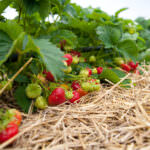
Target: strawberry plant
72,55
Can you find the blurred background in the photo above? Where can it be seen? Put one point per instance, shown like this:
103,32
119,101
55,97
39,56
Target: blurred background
136,8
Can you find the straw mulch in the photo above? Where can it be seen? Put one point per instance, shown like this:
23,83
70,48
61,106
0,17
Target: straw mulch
112,119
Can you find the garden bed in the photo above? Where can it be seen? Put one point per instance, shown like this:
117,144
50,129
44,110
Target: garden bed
114,118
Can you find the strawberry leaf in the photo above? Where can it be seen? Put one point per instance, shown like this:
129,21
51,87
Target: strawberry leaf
129,49
119,11
109,75
109,35
69,36
22,99
51,56
5,45
4,4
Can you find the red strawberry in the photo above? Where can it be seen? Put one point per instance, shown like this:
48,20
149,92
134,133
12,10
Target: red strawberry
57,97
99,70
133,65
90,71
69,59
75,85
50,77
76,96
75,53
125,67
10,131
44,72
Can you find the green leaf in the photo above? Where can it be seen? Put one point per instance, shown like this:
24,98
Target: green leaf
34,67
51,56
67,35
22,79
70,10
145,56
129,49
119,11
122,74
128,36
115,75
22,99
40,6
109,35
44,8
5,45
10,34
11,28
25,41
109,75
31,6
4,4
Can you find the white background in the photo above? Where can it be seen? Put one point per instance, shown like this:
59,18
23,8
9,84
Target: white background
136,7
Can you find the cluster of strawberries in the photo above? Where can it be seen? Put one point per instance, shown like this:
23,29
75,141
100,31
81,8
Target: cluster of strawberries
70,91
131,66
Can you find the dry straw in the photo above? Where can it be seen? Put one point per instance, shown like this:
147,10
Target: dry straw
114,119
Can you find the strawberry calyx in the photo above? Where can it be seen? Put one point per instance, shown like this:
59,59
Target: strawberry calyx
69,95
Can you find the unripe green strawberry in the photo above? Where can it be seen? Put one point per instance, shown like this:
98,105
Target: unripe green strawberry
33,90
94,71
96,87
132,30
75,60
81,59
84,73
3,83
86,86
68,69
97,81
68,94
68,48
92,85
40,102
118,61
92,59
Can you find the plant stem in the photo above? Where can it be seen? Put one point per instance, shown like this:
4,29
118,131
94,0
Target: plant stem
17,73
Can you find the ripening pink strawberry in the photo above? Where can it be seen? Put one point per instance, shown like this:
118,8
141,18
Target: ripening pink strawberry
69,59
